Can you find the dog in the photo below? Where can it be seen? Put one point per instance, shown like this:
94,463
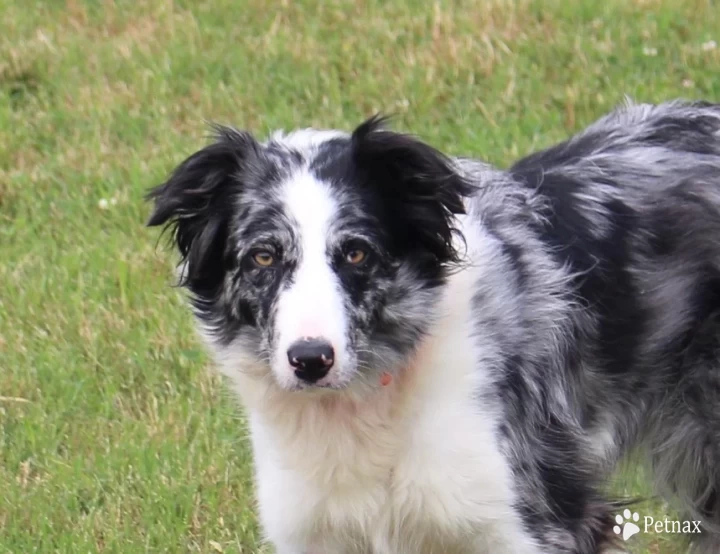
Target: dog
438,356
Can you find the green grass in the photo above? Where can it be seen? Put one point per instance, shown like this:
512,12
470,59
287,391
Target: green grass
114,436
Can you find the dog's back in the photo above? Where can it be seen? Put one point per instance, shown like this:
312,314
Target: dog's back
631,208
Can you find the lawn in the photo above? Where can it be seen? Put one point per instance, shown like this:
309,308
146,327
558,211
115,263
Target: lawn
115,436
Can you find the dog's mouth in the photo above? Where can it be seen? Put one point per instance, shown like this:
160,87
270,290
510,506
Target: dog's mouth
334,382
360,385
293,381
312,387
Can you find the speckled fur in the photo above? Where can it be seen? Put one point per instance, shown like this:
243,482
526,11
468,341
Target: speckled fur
539,324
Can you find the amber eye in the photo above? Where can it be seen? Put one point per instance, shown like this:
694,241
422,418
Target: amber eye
263,258
355,256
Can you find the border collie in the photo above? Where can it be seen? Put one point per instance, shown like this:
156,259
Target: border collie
436,356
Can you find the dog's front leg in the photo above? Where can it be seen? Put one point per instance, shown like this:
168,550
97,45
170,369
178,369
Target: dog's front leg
285,511
287,548
285,532
291,548
506,536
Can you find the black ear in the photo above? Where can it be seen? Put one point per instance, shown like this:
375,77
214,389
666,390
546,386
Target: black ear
419,185
195,203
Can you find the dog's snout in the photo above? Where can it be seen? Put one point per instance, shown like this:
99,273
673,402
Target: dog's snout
312,358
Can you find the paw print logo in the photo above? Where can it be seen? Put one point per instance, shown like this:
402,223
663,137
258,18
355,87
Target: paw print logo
625,525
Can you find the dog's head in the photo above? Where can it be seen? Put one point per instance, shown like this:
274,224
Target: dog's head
317,255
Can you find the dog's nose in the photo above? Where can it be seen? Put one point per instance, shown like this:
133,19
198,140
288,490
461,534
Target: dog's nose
312,358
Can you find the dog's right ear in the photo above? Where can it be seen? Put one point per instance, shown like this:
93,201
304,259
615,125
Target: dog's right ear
195,203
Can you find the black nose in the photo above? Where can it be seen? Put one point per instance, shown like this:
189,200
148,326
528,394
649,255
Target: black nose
312,358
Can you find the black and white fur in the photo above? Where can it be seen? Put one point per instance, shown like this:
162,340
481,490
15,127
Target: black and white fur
538,324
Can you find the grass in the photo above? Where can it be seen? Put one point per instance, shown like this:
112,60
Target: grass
114,436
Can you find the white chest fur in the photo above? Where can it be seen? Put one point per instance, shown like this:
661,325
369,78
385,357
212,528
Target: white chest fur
415,469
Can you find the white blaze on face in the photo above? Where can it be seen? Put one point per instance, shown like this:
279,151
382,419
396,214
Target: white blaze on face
313,304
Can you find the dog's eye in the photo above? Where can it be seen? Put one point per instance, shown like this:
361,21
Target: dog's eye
355,256
263,258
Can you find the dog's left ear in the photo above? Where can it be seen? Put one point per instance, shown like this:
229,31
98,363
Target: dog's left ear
195,204
421,188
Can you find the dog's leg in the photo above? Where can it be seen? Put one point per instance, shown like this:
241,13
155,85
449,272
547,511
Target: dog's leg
504,536
283,517
684,439
287,548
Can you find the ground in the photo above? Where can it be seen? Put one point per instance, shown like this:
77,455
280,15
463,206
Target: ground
114,436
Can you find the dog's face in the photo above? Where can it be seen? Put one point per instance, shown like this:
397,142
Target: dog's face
318,254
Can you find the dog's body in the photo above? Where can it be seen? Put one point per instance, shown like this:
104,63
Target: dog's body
479,374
